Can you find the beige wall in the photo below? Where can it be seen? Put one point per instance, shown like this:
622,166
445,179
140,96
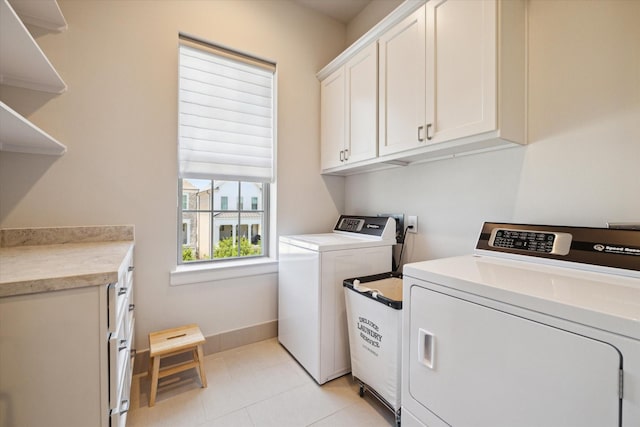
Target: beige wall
118,120
581,167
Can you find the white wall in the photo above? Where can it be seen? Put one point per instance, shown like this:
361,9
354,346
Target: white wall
581,167
118,120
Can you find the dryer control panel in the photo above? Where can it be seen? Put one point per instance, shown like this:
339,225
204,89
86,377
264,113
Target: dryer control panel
531,240
605,247
375,226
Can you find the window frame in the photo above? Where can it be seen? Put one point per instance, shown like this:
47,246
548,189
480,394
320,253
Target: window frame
266,224
231,268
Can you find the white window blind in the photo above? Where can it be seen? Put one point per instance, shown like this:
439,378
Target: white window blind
225,124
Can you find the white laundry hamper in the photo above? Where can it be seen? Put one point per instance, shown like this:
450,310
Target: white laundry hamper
374,320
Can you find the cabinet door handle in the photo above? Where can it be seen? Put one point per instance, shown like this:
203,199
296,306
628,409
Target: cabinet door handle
420,138
123,345
342,155
346,154
122,291
131,267
429,127
132,307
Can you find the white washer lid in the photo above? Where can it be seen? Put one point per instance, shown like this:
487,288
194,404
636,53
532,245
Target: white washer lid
333,241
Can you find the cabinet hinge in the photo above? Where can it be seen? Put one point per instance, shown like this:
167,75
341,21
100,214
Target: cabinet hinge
620,384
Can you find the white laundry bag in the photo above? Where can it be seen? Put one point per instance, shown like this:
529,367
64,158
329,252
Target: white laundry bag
374,319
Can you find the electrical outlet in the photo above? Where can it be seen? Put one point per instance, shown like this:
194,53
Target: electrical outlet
412,221
399,225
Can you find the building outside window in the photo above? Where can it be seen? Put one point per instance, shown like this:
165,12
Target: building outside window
218,230
186,232
226,151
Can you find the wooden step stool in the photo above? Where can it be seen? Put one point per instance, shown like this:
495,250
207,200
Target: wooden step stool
171,342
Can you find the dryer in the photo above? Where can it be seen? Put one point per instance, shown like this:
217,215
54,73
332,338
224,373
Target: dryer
312,322
540,327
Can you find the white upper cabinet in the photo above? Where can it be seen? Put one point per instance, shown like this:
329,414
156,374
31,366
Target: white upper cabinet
332,120
474,78
402,84
461,87
451,80
361,80
23,64
475,70
348,98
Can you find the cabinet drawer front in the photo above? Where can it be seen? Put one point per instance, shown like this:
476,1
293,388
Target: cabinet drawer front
121,359
120,295
121,321
119,362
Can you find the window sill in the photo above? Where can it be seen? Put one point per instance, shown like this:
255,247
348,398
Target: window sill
209,272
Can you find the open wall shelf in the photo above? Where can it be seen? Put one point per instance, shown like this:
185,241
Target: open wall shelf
24,65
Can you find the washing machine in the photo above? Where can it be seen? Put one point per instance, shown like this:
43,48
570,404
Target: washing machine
539,327
312,322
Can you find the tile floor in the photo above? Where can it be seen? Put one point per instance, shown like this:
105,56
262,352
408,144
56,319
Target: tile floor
255,385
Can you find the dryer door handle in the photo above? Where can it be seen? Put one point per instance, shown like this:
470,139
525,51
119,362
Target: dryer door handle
426,348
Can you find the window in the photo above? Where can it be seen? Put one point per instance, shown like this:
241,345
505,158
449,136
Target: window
221,232
226,151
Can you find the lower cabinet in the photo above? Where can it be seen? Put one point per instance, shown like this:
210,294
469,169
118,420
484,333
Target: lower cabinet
66,356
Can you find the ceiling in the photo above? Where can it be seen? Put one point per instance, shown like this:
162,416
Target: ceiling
341,10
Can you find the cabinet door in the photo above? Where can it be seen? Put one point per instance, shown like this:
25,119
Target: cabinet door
402,85
461,68
53,357
362,105
332,120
